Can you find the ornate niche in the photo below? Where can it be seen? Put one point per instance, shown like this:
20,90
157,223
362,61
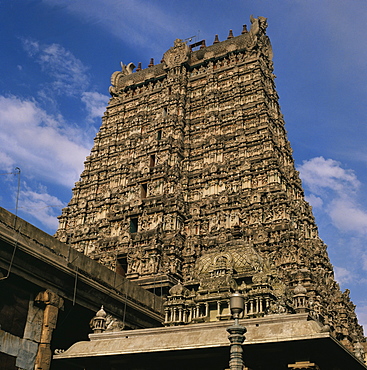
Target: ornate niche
218,273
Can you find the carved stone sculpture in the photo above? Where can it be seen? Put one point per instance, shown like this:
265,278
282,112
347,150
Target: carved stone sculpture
191,191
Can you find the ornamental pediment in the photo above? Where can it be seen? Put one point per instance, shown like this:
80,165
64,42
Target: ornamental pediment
236,259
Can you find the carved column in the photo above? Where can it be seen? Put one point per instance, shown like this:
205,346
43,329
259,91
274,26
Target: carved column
236,337
166,315
52,304
251,306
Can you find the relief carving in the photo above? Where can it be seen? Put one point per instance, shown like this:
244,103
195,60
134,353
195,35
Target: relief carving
176,55
187,167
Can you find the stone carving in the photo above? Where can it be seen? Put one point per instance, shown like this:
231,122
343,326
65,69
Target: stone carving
116,76
258,25
99,322
114,324
191,180
176,55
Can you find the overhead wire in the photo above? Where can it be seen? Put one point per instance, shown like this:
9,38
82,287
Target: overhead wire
17,169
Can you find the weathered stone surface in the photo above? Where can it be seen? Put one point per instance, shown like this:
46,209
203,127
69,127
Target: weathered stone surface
52,303
270,329
272,342
27,354
23,349
47,253
9,343
33,326
191,190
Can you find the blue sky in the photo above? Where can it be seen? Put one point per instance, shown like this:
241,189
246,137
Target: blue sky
57,57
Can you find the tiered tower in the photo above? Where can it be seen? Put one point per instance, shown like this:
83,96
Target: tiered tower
191,190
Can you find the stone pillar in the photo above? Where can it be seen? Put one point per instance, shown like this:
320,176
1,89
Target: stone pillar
166,315
52,303
174,314
236,337
303,365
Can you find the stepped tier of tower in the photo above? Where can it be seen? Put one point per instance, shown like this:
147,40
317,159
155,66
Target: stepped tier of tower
191,190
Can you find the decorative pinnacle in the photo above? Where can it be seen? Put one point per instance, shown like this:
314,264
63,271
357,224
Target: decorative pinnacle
151,64
216,40
139,67
230,35
101,312
244,29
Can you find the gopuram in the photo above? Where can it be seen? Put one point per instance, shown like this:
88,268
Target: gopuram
191,191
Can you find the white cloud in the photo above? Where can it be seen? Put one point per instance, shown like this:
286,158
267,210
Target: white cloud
6,161
68,76
37,142
95,104
44,145
41,205
137,22
364,261
336,190
320,173
362,317
347,215
31,46
342,275
68,73
316,202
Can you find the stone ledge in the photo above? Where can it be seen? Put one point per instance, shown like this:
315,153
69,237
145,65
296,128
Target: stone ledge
269,329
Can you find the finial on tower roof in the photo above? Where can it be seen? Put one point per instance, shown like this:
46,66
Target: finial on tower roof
139,67
151,64
230,35
98,323
244,29
216,40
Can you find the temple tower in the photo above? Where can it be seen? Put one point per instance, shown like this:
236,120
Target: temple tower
191,190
